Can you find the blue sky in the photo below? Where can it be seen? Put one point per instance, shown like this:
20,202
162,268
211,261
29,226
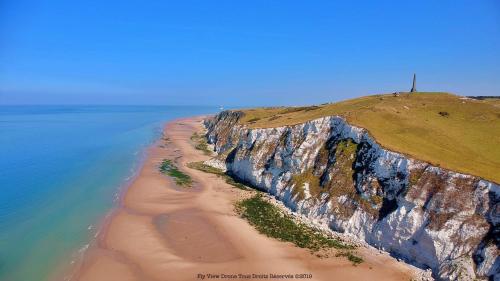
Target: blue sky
243,52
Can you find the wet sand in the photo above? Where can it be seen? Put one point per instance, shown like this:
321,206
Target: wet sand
164,232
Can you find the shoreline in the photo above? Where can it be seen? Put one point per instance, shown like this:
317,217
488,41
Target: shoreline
71,271
173,230
67,271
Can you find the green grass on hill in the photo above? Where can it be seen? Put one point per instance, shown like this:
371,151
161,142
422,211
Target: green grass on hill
444,129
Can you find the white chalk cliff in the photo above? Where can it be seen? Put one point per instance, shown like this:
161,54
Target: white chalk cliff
337,174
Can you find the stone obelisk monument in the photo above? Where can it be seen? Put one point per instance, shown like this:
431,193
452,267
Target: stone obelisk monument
414,86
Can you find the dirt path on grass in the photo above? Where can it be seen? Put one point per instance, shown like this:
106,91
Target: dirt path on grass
164,232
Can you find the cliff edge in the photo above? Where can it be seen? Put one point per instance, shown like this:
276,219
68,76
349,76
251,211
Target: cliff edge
338,175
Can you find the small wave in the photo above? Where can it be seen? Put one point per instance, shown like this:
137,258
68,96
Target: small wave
84,248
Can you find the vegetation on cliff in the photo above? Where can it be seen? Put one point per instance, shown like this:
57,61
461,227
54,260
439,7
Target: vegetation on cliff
273,222
445,130
209,169
200,143
335,173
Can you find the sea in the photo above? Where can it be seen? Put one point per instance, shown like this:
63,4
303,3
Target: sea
61,171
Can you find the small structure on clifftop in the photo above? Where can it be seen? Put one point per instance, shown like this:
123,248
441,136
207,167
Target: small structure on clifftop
414,86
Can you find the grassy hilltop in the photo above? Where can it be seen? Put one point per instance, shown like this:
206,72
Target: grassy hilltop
443,129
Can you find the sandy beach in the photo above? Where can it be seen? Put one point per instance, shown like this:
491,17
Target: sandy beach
164,232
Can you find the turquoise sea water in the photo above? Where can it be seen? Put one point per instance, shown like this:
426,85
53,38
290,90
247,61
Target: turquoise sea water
60,170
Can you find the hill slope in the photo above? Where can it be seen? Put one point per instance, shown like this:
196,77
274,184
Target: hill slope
443,129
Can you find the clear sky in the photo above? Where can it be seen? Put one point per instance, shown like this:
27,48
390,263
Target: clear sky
243,52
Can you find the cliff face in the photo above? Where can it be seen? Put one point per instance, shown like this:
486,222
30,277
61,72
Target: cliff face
338,175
